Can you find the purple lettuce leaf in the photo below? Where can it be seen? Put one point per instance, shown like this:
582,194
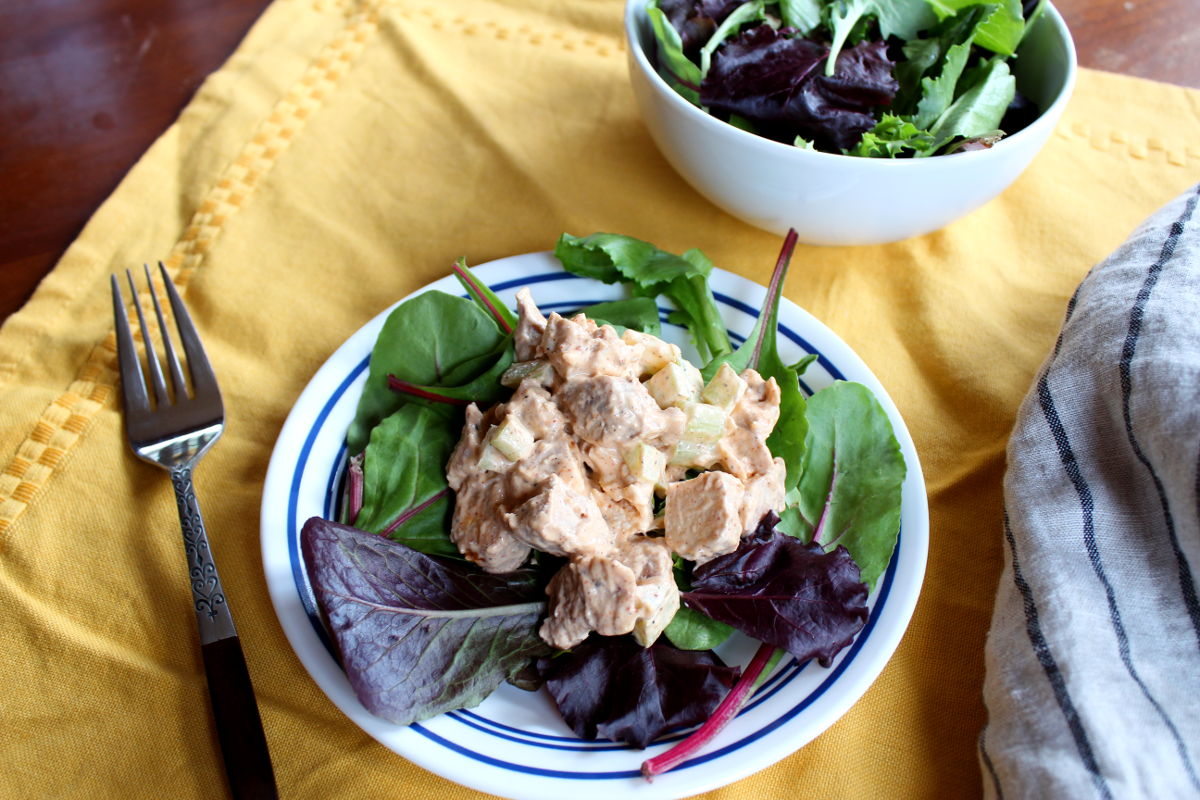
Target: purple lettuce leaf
696,20
419,635
777,82
611,687
784,592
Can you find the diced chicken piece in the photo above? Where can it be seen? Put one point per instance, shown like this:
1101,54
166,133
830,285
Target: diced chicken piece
606,467
464,460
480,530
590,594
531,326
557,457
654,352
627,510
607,410
657,594
561,521
704,516
758,408
536,409
763,493
742,449
578,348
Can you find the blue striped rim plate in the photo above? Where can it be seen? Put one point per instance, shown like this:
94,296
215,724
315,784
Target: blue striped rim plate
514,744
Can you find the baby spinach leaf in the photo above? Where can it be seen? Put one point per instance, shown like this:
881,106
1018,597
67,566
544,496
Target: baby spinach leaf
405,495
419,635
484,297
484,389
611,687
784,593
433,339
691,630
849,492
638,313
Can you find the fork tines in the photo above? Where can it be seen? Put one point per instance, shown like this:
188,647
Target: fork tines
202,379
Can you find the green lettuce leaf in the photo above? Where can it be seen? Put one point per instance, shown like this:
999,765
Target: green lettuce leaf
614,258
675,68
978,110
431,340
405,495
1001,29
849,492
638,313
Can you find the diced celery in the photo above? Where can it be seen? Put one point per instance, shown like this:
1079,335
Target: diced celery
675,385
705,423
646,462
512,438
492,460
538,369
725,388
693,454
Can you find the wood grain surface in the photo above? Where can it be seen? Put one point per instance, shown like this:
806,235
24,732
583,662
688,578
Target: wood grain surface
87,85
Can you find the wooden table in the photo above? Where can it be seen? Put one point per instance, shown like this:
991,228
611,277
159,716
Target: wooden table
87,85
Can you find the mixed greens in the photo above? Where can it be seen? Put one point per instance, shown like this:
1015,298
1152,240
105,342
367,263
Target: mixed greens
421,631
874,78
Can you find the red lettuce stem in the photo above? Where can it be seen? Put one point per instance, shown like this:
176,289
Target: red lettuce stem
404,387
819,530
469,279
773,289
354,489
726,711
412,512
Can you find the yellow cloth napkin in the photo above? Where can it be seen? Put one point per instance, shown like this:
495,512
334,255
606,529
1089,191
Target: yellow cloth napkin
343,157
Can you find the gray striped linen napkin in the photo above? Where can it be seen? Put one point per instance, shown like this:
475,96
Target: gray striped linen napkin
1093,658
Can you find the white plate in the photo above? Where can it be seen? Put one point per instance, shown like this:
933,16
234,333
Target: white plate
515,744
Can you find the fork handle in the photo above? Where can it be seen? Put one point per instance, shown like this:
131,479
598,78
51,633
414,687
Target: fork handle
239,726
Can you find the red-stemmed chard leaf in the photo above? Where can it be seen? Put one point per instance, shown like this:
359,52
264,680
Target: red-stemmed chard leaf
433,341
354,489
404,491
611,687
784,592
760,352
484,389
419,635
404,387
852,476
483,295
726,711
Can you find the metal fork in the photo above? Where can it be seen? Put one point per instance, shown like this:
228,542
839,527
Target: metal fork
173,430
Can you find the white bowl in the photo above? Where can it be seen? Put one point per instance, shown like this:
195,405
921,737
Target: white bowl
836,199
